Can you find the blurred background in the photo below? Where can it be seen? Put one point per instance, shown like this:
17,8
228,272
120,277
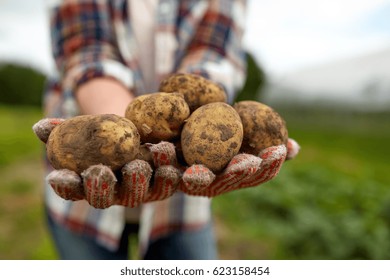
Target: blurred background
323,65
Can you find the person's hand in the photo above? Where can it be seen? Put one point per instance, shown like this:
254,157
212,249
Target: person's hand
152,177
136,184
156,175
243,171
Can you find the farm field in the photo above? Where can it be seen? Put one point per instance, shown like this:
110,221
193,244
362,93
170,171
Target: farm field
331,202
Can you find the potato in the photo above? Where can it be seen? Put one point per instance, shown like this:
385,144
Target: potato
158,116
197,90
263,126
212,135
86,140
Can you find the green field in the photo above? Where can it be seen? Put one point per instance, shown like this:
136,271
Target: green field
331,202
22,231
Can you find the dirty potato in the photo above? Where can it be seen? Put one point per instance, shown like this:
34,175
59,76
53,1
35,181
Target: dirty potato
158,116
212,135
82,141
197,90
263,126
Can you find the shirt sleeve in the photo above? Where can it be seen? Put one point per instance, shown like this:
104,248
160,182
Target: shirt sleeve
216,50
84,42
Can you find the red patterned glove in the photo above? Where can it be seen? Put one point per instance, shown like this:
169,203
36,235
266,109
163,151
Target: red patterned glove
134,185
137,183
243,171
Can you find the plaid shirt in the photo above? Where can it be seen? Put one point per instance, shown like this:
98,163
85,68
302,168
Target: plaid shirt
94,39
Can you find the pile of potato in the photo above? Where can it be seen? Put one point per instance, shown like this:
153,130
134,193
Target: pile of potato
189,111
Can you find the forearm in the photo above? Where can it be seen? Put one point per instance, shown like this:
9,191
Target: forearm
103,96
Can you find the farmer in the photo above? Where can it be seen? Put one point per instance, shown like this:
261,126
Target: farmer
109,52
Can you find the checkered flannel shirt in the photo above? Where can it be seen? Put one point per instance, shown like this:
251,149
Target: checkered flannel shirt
95,39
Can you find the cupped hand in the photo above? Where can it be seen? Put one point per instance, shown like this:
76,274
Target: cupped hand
153,176
243,171
156,175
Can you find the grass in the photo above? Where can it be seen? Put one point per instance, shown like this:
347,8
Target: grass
331,202
22,232
16,138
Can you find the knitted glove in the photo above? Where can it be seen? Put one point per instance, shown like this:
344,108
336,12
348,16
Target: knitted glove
138,184
134,185
243,171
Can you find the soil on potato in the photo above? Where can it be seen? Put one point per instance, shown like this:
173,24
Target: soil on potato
212,136
77,144
263,127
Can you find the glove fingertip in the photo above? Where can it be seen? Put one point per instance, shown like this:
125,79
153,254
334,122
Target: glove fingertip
166,180
246,163
99,186
163,153
274,153
43,128
136,166
168,172
66,184
136,176
293,148
198,177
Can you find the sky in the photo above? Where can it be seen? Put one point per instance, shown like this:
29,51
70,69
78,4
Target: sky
24,35
288,35
283,35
